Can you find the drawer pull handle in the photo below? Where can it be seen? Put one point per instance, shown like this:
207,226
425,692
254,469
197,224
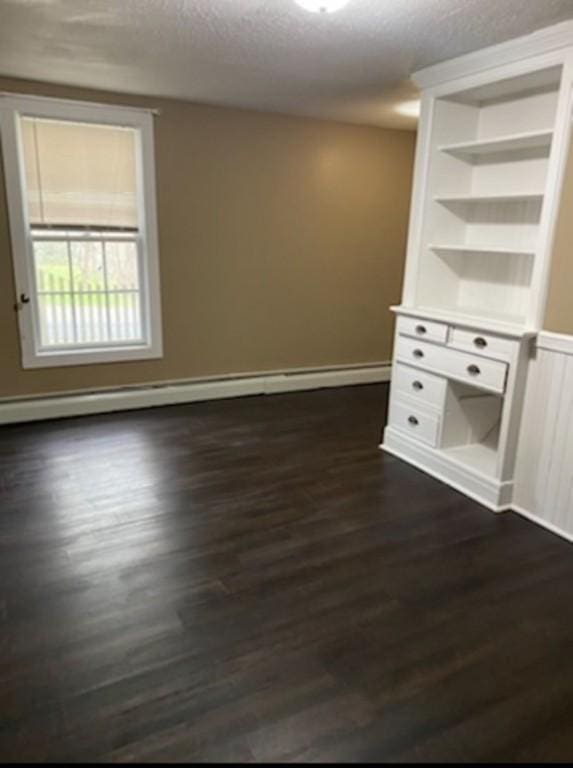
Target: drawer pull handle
417,385
473,370
480,342
418,353
421,329
413,421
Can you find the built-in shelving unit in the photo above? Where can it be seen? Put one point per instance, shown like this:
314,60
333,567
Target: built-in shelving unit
490,150
490,199
449,250
498,319
479,456
471,317
484,198
478,250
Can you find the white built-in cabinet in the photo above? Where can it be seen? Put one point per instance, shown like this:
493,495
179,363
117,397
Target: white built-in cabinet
492,145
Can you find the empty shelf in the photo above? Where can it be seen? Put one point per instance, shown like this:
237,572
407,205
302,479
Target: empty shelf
480,249
480,457
506,144
487,199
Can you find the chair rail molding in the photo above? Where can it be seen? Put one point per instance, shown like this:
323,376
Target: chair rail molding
555,342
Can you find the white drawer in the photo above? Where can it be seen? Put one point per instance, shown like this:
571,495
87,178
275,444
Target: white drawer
481,343
418,385
416,423
423,329
473,369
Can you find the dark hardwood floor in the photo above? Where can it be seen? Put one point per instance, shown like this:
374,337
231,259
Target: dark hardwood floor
252,580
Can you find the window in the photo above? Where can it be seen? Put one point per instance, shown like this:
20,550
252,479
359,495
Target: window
81,193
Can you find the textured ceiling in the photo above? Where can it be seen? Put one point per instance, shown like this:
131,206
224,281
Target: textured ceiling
261,54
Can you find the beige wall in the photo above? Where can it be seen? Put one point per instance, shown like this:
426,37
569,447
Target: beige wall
282,244
559,309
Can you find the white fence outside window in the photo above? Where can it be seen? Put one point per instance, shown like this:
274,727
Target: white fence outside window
87,287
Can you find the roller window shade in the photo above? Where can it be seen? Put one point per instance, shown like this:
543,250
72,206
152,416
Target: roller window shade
79,174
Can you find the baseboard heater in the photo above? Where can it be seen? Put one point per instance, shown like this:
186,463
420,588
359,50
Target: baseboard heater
131,397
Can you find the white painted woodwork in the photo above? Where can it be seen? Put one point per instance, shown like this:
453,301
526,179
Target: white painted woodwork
467,468
421,387
492,146
471,417
544,470
484,186
479,343
470,249
461,366
479,149
413,420
422,329
464,320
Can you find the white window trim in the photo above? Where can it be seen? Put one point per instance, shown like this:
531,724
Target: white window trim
12,107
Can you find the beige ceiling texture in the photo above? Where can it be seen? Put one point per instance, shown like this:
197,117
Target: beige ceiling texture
352,66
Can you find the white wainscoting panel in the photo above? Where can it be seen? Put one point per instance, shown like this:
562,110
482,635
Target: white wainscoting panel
544,474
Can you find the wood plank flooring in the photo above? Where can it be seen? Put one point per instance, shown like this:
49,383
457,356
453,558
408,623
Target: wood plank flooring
252,580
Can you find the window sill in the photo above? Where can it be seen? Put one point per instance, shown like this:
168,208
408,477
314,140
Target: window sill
72,357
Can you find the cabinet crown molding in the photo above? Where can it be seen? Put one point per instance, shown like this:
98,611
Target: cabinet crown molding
535,44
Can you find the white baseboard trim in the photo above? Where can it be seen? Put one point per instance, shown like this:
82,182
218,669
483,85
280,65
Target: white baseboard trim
490,493
19,410
543,523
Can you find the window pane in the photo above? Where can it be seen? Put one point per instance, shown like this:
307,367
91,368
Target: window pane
80,174
56,319
97,301
121,262
91,318
125,317
52,266
87,266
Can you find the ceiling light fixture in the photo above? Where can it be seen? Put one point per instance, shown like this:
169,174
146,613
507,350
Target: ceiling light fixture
321,6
